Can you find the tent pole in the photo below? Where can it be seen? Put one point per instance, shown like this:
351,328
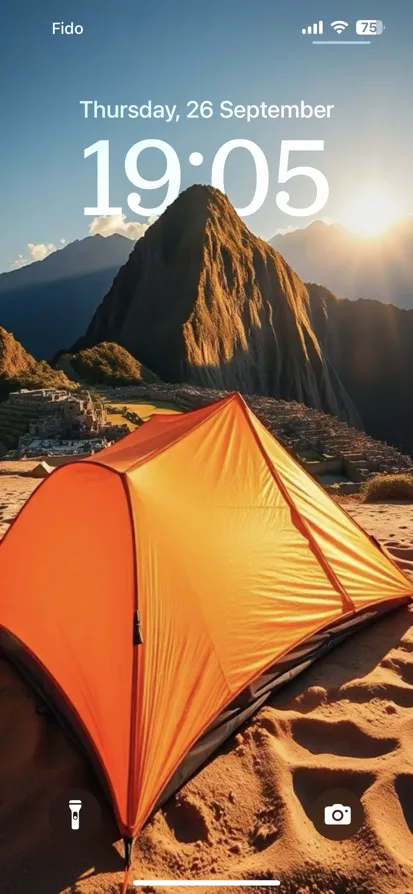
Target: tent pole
125,885
128,844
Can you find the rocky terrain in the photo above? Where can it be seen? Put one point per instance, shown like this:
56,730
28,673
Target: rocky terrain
202,300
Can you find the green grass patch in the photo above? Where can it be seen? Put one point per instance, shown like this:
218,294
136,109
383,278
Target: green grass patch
144,409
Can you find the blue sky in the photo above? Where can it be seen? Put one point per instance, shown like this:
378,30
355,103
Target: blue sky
133,51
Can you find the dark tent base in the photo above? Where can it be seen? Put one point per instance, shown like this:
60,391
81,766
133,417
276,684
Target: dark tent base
278,675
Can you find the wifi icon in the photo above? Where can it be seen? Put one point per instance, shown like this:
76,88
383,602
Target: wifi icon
339,27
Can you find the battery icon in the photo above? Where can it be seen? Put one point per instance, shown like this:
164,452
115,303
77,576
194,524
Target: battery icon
369,26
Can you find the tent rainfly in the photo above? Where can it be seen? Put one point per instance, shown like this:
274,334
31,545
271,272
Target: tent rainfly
170,583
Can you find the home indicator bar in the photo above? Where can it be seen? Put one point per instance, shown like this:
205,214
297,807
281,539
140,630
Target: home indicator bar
208,883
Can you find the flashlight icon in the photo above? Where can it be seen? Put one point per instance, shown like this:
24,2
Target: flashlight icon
75,808
369,26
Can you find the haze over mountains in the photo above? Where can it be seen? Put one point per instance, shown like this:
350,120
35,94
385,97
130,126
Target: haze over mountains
49,303
353,266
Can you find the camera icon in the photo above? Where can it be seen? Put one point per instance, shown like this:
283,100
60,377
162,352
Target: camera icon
337,815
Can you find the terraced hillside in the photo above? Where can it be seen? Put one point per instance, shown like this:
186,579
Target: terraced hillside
14,421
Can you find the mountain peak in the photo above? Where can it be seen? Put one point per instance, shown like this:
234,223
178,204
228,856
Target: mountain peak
203,300
197,204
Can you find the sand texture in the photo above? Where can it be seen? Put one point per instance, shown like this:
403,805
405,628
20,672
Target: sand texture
15,489
345,723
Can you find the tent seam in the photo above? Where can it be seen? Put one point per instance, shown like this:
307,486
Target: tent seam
94,750
134,681
146,459
316,549
134,687
320,487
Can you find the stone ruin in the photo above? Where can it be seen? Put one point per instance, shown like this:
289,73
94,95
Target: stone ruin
60,420
60,412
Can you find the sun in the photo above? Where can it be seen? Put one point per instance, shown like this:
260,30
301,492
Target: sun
371,212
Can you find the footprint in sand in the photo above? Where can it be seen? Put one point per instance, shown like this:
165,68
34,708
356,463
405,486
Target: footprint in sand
187,819
192,822
308,782
404,788
402,667
342,737
406,645
361,693
265,832
402,552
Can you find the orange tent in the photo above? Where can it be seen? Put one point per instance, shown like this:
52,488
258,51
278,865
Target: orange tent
159,590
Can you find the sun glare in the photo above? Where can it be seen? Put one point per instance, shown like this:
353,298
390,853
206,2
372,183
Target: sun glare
371,212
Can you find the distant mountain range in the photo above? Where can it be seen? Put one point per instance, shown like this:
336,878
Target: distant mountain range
49,303
353,266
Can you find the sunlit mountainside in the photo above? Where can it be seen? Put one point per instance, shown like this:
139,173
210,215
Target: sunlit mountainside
105,364
18,369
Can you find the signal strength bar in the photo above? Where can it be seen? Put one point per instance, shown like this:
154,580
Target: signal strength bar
313,29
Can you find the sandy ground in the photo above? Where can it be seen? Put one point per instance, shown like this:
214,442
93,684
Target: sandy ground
346,723
14,490
392,524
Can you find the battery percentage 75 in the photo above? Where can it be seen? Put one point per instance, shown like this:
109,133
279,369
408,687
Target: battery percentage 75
369,26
